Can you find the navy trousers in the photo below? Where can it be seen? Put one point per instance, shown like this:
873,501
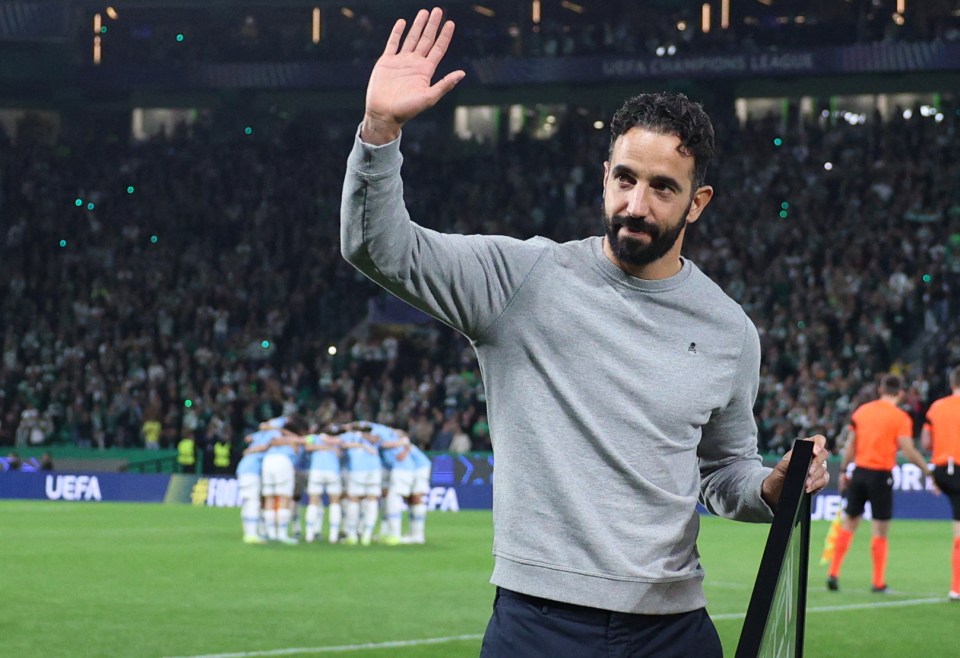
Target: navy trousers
528,627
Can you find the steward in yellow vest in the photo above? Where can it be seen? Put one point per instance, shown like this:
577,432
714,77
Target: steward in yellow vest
187,455
221,456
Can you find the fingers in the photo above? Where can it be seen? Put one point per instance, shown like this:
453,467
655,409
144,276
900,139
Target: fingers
429,32
393,42
413,36
445,84
818,476
440,46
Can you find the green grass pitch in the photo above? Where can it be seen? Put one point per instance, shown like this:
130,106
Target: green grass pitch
174,580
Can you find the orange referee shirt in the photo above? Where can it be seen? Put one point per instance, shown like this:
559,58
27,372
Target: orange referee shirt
878,425
943,422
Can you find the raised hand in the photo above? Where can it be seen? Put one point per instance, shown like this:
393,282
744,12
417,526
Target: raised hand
400,85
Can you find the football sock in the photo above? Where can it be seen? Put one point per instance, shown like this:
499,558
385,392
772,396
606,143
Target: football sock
418,519
250,517
270,520
312,517
879,547
283,521
352,519
336,516
371,514
956,565
394,514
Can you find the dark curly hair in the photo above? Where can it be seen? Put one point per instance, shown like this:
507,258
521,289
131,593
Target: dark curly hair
669,113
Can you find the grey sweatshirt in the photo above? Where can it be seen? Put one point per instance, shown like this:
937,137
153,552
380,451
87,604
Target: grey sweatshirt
614,402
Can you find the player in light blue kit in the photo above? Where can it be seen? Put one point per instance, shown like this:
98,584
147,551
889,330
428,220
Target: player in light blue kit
408,479
324,451
393,445
277,479
422,468
364,479
248,479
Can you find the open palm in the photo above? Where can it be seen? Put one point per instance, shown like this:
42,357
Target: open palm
400,84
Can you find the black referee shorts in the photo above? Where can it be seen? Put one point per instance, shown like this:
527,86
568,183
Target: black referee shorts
867,484
529,627
949,484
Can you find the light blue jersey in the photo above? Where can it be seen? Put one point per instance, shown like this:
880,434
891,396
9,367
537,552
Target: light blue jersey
323,460
387,435
419,459
290,452
250,464
364,457
277,423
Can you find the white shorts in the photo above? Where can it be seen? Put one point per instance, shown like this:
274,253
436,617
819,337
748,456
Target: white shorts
249,484
401,481
364,483
325,481
408,483
277,476
421,483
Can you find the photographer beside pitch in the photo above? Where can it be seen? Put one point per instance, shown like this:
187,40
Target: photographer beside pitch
620,380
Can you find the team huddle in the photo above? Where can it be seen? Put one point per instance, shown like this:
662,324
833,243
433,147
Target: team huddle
376,466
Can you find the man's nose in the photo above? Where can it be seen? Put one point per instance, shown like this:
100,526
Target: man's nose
637,205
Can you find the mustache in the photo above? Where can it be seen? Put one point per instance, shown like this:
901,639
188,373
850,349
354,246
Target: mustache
638,224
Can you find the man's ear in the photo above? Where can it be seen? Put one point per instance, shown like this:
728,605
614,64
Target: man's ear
700,200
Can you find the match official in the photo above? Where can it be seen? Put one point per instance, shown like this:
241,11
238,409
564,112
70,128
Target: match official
878,429
941,435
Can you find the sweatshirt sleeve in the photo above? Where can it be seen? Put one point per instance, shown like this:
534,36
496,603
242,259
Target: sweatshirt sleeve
731,471
464,281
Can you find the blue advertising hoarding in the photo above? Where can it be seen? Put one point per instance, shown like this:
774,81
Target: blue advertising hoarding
458,482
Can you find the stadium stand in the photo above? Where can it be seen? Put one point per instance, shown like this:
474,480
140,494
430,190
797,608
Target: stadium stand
194,278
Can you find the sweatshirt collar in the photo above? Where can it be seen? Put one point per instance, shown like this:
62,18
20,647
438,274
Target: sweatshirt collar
618,276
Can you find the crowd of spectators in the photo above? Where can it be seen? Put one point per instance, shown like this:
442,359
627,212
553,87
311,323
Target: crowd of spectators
500,28
195,279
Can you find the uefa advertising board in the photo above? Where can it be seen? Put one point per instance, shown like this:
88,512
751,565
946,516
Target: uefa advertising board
458,482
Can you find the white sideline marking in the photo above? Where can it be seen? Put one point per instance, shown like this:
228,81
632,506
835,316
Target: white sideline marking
342,648
851,606
456,638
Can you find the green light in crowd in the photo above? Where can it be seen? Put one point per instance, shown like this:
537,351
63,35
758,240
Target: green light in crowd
801,325
91,206
785,205
154,239
188,403
783,214
78,203
248,130
103,29
131,189
927,278
180,37
777,141
265,344
63,243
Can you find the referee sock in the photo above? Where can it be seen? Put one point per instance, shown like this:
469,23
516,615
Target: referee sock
956,565
844,539
879,547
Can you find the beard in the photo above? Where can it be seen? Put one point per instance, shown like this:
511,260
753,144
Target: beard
634,252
